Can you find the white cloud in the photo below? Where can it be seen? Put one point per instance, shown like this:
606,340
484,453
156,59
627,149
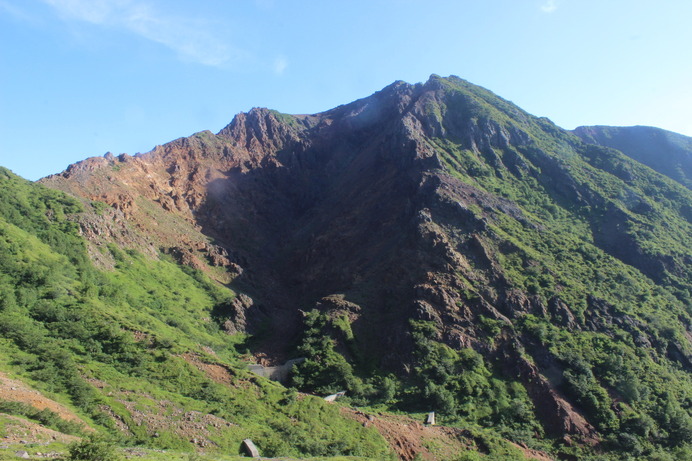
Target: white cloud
549,6
94,11
191,39
280,65
14,11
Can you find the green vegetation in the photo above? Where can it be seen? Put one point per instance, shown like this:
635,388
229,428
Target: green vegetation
461,386
645,144
599,241
129,344
45,417
576,264
93,449
623,375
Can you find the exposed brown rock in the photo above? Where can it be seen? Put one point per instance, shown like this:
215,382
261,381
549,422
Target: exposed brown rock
559,416
354,212
412,439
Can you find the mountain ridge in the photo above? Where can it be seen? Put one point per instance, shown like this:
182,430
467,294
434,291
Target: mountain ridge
431,231
645,144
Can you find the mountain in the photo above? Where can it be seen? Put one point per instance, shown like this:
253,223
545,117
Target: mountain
431,247
132,352
666,152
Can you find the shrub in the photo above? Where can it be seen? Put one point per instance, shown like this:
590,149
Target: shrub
93,449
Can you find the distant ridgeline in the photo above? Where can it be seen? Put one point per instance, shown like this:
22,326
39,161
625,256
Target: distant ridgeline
666,152
431,248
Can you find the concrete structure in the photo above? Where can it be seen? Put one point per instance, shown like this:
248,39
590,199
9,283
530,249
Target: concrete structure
280,373
333,397
430,420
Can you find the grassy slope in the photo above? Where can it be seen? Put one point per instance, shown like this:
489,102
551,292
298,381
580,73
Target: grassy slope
666,152
116,340
112,345
639,397
624,360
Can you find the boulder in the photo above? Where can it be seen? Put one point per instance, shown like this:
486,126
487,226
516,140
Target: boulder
250,448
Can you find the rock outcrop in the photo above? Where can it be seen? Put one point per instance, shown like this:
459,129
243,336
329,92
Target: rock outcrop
384,210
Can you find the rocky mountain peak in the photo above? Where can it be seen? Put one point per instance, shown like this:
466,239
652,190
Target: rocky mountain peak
436,207
262,130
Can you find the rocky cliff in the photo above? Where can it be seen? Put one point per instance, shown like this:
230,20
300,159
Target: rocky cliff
436,204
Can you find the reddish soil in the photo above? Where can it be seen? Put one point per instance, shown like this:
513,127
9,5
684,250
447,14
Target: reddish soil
409,438
533,454
217,373
16,391
18,430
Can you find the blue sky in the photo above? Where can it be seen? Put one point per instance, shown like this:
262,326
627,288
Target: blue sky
79,78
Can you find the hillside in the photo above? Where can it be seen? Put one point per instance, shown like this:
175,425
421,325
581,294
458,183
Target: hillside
666,152
430,247
133,351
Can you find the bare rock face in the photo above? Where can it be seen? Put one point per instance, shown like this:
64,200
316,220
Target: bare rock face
358,212
562,314
236,320
559,416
